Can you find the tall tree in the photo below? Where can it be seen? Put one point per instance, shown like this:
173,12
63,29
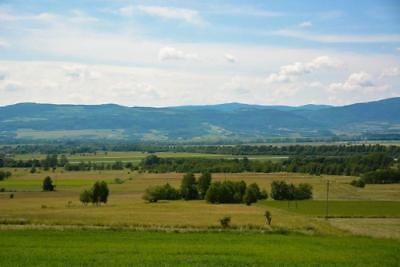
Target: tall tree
188,187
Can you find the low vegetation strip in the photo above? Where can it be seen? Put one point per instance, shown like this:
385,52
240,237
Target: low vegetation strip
106,248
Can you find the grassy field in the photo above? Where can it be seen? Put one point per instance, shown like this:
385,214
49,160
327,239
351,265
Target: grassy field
110,248
135,157
340,208
126,207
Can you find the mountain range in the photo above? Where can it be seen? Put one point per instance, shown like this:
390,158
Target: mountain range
208,123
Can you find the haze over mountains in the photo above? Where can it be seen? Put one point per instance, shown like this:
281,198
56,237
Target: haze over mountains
209,123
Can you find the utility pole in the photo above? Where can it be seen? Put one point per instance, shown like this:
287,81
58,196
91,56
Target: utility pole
327,200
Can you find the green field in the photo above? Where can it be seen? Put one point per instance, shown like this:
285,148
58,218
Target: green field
106,248
135,156
340,208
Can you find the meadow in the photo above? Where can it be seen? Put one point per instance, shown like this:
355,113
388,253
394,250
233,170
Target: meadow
145,248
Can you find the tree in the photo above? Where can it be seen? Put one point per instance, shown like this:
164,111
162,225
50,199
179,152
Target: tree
188,187
203,184
252,194
48,184
100,192
280,190
86,197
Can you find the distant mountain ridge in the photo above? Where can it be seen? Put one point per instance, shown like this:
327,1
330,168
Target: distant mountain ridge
208,123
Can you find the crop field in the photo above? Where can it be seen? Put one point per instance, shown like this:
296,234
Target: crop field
136,157
137,248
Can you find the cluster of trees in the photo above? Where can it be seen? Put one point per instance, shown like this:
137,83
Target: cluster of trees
79,147
203,188
4,175
381,176
97,194
281,190
234,192
349,165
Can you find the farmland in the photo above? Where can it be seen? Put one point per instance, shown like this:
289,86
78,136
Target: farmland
133,228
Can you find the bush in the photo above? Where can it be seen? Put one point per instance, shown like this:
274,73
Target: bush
268,217
165,192
188,187
358,183
48,184
118,181
86,197
225,221
280,190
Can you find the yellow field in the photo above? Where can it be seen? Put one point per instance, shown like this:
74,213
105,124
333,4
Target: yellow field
126,207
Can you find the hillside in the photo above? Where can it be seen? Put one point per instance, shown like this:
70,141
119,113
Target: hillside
212,123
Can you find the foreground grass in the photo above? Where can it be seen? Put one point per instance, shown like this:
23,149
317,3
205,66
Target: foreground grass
110,248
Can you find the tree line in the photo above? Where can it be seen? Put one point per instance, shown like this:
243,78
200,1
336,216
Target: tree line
226,191
349,165
76,147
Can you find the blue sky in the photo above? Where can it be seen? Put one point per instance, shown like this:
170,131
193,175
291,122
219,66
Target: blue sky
162,53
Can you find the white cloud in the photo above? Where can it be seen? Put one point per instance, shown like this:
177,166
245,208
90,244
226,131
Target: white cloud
390,72
170,53
336,38
184,14
288,72
230,58
355,81
305,24
4,44
398,49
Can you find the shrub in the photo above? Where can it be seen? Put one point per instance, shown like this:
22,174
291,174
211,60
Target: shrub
358,183
203,184
11,195
86,197
268,217
188,187
264,194
48,184
280,190
225,221
165,192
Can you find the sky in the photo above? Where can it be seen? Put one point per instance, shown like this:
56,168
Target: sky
169,53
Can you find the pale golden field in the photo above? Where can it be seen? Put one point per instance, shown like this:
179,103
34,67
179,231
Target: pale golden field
126,208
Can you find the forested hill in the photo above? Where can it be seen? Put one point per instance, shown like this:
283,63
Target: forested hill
212,123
